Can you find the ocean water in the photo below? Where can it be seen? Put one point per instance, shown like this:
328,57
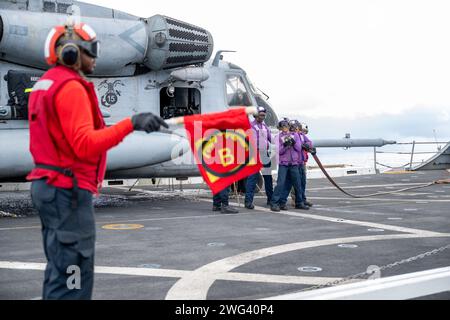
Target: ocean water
364,157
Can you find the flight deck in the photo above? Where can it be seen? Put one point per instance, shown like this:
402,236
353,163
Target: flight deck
155,244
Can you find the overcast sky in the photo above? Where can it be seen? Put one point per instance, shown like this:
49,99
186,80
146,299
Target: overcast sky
346,59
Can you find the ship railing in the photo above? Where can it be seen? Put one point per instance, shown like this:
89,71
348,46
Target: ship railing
409,165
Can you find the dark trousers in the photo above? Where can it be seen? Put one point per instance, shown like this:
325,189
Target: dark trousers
303,181
288,188
221,199
294,175
69,241
250,187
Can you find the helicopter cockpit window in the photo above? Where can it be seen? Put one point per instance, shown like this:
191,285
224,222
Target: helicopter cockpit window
179,102
262,100
237,94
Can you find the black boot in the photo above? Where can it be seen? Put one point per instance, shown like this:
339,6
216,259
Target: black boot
284,207
275,208
228,210
249,206
309,204
301,207
216,208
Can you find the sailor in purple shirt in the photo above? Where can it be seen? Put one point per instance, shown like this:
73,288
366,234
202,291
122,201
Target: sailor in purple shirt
290,156
263,141
296,127
309,148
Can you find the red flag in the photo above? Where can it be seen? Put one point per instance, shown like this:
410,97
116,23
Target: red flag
224,147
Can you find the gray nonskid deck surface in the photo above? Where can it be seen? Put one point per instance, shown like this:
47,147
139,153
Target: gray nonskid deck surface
182,250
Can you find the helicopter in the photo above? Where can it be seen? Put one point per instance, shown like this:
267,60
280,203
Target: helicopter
157,64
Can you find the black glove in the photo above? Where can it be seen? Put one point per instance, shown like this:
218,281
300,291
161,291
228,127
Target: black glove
313,151
306,147
147,122
288,141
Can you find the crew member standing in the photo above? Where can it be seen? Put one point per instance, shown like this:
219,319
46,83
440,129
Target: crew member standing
263,141
289,151
307,147
68,142
221,202
296,127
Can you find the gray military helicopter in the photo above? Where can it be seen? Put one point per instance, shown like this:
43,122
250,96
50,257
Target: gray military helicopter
157,64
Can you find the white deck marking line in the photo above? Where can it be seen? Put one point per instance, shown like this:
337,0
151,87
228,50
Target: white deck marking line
393,202
347,221
169,273
379,199
196,285
145,272
369,186
20,228
362,223
270,278
365,205
22,265
344,210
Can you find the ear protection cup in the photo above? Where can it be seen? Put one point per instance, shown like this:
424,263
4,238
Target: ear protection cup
69,54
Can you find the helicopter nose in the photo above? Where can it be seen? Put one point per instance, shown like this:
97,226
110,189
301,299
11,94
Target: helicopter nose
140,149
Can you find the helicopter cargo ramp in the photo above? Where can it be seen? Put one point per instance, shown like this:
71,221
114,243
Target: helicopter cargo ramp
156,244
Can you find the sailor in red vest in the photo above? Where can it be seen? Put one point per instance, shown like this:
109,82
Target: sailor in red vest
68,142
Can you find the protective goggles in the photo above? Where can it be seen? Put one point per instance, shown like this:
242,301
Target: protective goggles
282,124
294,124
92,48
